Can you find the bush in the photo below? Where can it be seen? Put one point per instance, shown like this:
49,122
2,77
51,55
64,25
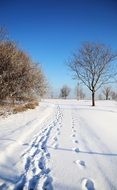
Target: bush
19,75
31,105
24,107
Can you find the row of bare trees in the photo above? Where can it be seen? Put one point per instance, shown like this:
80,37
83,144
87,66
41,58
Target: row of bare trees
65,92
108,93
94,65
20,77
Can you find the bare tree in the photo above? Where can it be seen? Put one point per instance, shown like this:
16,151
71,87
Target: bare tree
64,91
93,66
107,92
80,95
114,95
39,83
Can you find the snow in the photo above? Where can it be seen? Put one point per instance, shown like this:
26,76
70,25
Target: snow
61,145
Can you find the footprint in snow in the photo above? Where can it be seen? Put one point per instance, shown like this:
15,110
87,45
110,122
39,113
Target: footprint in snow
87,184
3,186
41,163
80,163
47,155
33,182
25,144
55,145
58,133
48,184
75,141
55,138
73,135
76,149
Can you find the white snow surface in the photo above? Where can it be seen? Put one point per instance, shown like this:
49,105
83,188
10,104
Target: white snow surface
60,145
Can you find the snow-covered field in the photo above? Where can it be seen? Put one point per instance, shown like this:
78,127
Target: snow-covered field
61,145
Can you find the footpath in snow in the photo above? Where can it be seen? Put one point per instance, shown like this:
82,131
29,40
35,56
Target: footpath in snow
61,145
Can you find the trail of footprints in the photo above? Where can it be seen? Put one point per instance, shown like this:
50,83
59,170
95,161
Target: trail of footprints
87,184
37,170
54,138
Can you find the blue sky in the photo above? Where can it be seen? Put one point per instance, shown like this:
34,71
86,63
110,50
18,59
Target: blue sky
50,30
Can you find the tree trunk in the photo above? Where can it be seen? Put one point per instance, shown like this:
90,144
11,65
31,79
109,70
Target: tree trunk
106,96
93,98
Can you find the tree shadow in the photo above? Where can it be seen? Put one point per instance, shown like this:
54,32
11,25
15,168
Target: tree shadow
85,152
64,186
98,153
7,139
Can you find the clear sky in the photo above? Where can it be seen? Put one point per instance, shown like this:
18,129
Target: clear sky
50,30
